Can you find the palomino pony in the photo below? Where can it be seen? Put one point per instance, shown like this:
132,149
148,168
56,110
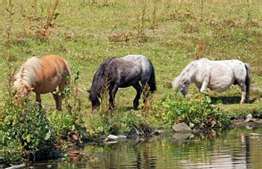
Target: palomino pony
114,73
42,75
215,75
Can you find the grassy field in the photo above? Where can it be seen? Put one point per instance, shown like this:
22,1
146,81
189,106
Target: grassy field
169,32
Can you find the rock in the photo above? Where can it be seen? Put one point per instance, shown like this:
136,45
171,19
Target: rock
191,125
110,142
249,118
16,166
249,127
254,134
180,138
49,166
112,137
158,132
181,128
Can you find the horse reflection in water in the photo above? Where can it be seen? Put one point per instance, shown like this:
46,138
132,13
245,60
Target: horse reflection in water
131,70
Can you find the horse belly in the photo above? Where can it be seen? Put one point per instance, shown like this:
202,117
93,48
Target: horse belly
129,81
130,77
48,85
220,84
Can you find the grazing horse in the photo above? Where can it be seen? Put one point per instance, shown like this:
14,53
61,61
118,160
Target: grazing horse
42,75
215,75
114,73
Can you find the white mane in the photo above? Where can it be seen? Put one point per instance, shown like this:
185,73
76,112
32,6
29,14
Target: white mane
27,73
186,74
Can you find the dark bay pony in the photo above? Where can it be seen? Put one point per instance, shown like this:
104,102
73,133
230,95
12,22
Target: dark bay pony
131,70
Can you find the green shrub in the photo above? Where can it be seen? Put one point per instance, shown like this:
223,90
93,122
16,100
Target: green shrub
199,113
10,149
27,125
124,122
65,123
119,123
98,125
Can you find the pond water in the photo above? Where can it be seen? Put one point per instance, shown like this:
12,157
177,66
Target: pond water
234,149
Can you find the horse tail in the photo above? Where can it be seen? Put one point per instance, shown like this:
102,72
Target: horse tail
248,79
152,79
67,67
67,72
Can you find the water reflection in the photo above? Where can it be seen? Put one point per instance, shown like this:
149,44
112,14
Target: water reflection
236,149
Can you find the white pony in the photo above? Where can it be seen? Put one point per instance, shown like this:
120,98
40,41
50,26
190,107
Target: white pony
215,75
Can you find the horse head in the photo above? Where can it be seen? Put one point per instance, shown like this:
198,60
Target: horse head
180,85
183,87
21,90
94,98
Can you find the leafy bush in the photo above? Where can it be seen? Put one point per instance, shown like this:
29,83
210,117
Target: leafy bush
198,113
97,125
124,122
118,123
27,125
69,121
10,149
65,123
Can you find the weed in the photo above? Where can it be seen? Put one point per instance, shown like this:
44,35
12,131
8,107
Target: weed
140,28
118,123
154,16
30,128
198,113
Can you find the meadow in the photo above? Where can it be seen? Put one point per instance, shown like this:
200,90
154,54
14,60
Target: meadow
171,33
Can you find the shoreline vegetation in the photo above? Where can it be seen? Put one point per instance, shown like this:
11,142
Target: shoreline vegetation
31,133
171,33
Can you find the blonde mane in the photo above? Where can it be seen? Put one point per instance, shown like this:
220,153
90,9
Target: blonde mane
27,73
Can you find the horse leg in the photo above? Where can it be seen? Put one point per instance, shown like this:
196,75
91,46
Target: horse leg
112,94
243,93
58,96
204,85
38,99
58,101
138,94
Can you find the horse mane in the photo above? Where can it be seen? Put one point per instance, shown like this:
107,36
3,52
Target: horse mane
99,79
27,72
183,76
187,73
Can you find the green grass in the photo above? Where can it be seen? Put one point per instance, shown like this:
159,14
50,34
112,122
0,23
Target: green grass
81,33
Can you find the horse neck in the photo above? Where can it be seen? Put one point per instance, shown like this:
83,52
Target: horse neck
98,83
27,73
188,73
23,77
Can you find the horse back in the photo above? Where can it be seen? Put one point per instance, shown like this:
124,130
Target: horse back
54,73
52,66
238,68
